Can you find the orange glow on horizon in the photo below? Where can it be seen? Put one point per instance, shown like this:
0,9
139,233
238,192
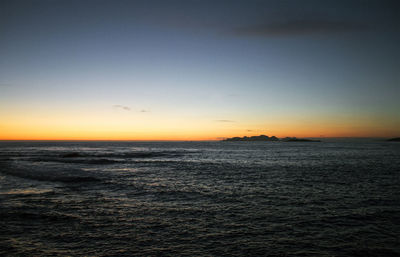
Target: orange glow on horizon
206,135
159,127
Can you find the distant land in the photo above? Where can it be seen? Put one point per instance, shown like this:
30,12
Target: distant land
294,139
396,139
267,138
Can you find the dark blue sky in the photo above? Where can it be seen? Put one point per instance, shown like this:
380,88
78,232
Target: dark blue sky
317,66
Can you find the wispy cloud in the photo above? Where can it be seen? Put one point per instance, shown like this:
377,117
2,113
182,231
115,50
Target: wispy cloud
143,110
224,120
123,107
299,27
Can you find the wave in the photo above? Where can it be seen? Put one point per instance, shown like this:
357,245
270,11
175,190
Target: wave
51,174
19,215
78,161
27,191
99,157
123,155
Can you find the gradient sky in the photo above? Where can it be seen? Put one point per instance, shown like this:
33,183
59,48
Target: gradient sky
196,70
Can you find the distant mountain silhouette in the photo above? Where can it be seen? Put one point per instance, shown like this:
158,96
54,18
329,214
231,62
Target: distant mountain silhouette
267,138
253,138
396,139
294,139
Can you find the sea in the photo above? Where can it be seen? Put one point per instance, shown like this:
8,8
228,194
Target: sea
338,197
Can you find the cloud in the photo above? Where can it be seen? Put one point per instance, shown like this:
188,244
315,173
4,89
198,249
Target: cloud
143,110
123,107
249,130
299,27
224,120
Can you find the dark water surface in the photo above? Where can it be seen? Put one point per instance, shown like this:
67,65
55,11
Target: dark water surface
337,198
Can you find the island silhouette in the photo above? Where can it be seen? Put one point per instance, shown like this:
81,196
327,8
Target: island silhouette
267,138
396,139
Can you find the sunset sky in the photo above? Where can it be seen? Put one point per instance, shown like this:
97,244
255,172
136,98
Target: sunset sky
198,70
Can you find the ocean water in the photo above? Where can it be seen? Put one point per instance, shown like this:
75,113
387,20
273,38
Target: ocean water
334,198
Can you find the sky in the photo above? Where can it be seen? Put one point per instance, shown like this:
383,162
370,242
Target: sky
198,69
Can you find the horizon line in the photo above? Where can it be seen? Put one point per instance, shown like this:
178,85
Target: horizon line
180,140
